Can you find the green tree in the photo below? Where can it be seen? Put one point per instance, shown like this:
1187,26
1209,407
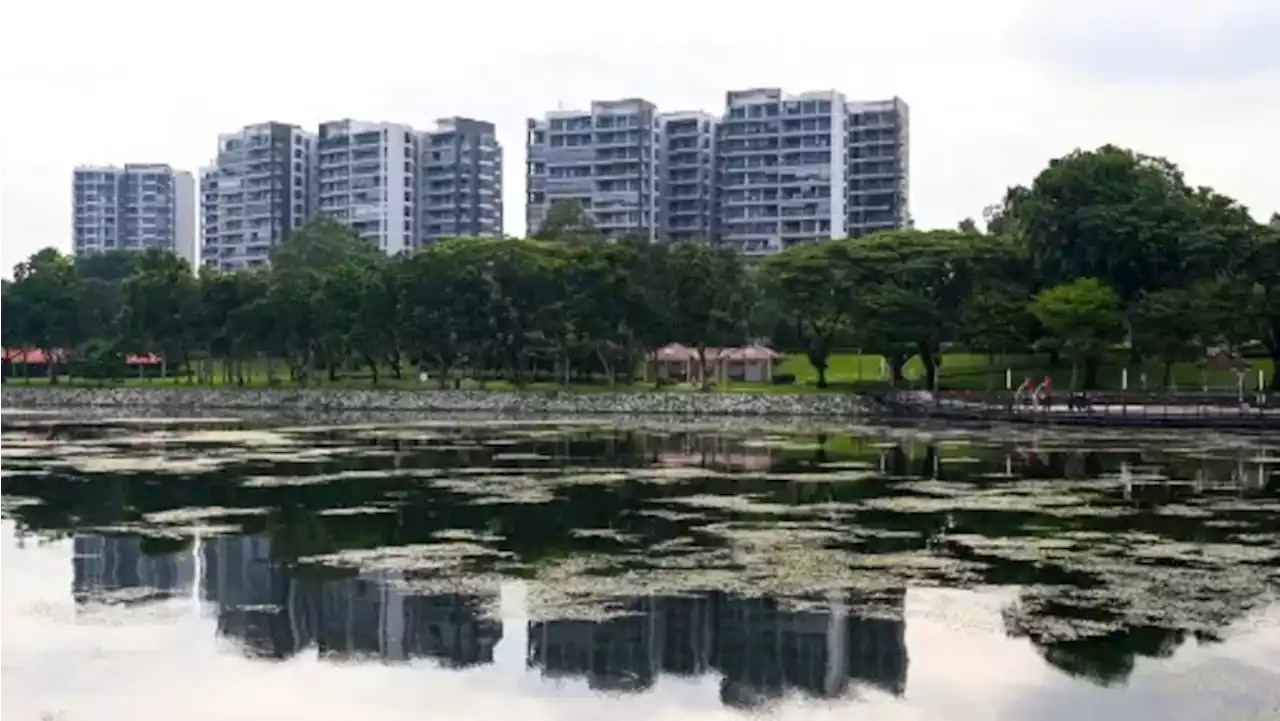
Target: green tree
814,284
1168,326
444,303
889,320
161,306
1110,214
1084,316
567,220
43,306
939,268
994,319
706,301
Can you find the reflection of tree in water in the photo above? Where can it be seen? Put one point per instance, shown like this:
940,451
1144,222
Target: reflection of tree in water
1108,660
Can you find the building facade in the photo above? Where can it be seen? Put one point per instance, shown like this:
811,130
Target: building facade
687,197
134,207
878,166
259,189
460,182
605,159
367,178
781,169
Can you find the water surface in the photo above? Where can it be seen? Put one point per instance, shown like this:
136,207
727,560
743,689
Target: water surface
578,568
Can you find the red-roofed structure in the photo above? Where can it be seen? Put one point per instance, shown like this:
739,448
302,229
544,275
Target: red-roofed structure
753,363
31,362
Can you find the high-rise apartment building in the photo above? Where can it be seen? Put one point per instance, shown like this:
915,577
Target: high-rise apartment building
367,178
138,206
879,154
781,169
261,191
460,181
686,176
605,159
208,208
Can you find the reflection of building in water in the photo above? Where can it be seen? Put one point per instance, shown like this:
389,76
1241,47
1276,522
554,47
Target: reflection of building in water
713,451
113,563
275,613
761,649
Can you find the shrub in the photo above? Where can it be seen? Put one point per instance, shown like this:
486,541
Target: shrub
784,379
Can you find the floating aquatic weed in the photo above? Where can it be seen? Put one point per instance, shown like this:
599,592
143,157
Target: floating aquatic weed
466,534
936,488
163,464
1021,548
522,457
1059,505
1210,553
588,479
355,510
660,474
1240,505
773,534
171,532
668,515
1180,510
611,534
13,502
314,454
252,438
831,477
488,490
179,516
491,471
439,556
740,503
377,474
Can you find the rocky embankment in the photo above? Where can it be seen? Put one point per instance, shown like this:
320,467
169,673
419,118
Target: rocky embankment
507,403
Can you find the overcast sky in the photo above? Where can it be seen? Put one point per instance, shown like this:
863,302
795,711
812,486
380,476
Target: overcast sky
996,87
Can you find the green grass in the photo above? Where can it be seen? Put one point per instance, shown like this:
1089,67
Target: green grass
969,371
959,371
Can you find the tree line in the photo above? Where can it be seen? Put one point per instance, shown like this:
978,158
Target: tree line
1104,249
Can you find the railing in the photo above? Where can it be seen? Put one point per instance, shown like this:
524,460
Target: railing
1132,410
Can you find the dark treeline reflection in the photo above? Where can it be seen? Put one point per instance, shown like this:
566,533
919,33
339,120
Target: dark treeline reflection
524,494
760,649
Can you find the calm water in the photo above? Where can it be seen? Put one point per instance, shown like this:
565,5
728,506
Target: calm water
567,570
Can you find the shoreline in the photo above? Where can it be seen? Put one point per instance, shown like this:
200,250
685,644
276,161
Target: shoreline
433,401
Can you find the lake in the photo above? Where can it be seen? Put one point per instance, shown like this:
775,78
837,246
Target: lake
581,568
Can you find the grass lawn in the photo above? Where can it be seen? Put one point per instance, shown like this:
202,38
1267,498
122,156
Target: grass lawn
959,371
970,371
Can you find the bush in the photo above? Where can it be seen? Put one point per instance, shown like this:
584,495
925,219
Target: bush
784,379
98,359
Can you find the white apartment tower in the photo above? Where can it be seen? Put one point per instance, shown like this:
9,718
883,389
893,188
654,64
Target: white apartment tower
879,155
460,183
367,178
605,159
686,172
138,206
257,191
781,169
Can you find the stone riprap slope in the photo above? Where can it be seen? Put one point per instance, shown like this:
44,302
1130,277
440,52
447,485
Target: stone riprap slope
505,402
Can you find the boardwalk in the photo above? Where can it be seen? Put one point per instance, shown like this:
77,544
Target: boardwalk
1169,414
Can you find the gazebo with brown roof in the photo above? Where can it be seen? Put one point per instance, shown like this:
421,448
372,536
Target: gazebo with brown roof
753,363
